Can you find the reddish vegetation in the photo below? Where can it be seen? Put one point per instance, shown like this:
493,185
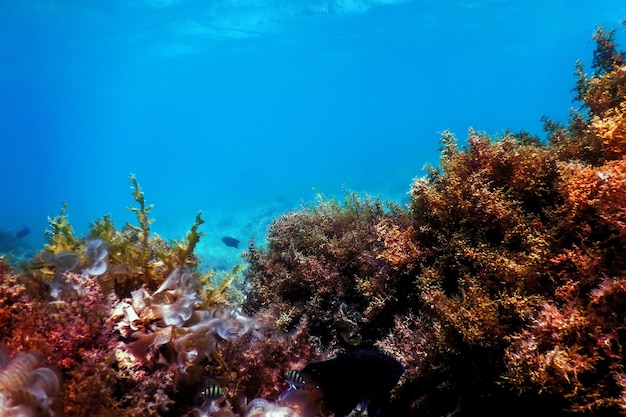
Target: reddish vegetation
324,263
117,344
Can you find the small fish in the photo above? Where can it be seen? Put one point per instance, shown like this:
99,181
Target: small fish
294,378
213,392
23,232
355,379
231,242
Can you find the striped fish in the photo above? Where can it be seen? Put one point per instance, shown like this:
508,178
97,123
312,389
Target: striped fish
213,392
294,378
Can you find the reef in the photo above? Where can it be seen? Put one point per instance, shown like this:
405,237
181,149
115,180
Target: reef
121,323
500,289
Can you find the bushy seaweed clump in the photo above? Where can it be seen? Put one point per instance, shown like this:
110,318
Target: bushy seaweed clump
502,283
123,259
120,323
324,263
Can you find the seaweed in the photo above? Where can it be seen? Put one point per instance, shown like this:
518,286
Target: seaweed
182,251
321,264
137,256
137,337
143,230
60,233
503,282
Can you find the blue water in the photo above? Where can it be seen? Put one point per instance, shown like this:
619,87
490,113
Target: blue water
242,108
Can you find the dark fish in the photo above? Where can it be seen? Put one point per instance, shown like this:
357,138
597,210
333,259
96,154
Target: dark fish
230,242
359,378
24,231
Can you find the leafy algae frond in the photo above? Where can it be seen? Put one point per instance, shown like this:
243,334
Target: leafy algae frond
142,213
60,233
135,256
222,293
181,253
104,229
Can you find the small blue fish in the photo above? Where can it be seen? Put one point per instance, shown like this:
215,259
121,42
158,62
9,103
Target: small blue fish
230,242
24,231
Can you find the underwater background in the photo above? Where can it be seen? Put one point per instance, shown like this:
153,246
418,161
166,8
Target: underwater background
312,209
246,109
